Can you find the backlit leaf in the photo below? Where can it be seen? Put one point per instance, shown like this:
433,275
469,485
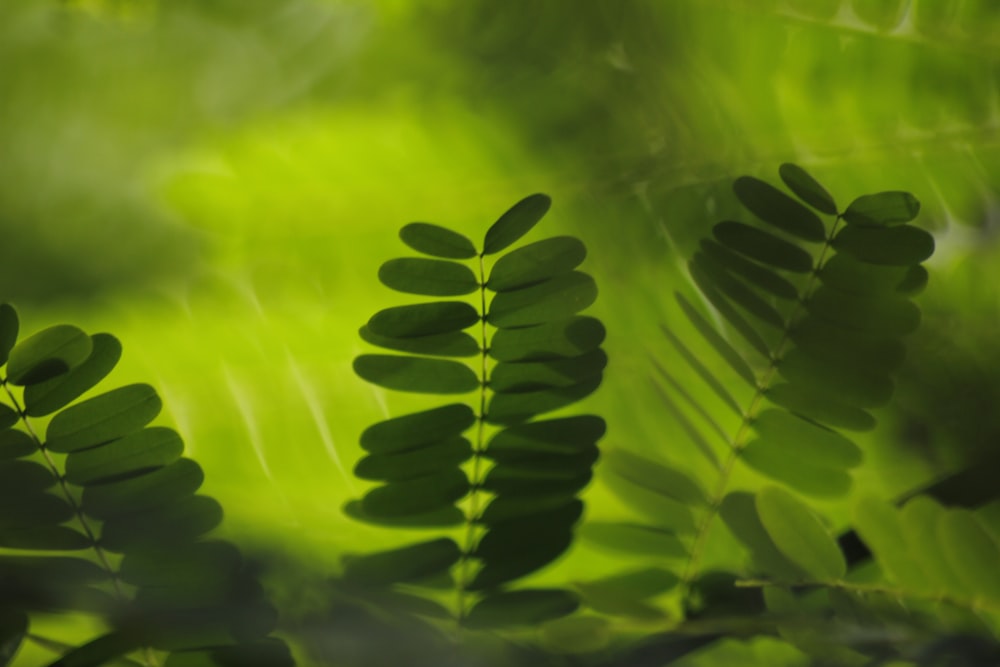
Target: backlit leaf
552,340
625,594
414,462
536,262
442,517
514,408
836,345
431,277
921,520
418,495
515,223
820,406
451,344
776,208
882,210
799,535
763,246
779,461
760,276
635,539
731,315
513,377
705,272
914,281
847,273
654,475
161,486
45,538
878,315
506,507
895,246
807,440
143,450
437,241
103,418
46,397
554,299
416,374
721,345
807,188
699,368
169,524
32,511
520,607
423,319
972,552
15,444
879,526
46,354
739,512
410,563
851,383
8,416
654,506
418,428
23,477
566,435
9,326
512,480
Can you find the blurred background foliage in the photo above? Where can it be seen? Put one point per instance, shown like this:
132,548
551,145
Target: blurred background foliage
217,181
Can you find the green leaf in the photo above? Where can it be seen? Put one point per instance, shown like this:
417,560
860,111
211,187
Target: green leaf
914,281
879,526
423,319
807,440
182,570
514,377
520,607
799,535
418,428
776,208
23,477
161,486
100,651
141,451
15,444
779,461
851,382
731,315
882,210
885,316
582,459
103,418
506,507
515,223
264,653
514,408
633,539
45,538
8,416
722,347
894,246
544,342
565,436
437,241
739,512
654,505
807,188
405,564
576,634
655,476
431,277
32,511
536,262
416,374
836,345
554,299
166,525
451,344
46,354
762,277
708,275
972,552
513,480
443,517
846,273
13,628
9,326
922,519
414,462
46,397
416,496
820,407
763,246
620,593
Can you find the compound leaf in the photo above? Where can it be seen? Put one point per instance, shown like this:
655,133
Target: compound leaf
763,246
520,607
552,340
141,451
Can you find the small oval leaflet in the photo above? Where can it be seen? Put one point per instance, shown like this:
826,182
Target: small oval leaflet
515,223
807,188
896,246
739,512
848,379
520,607
778,209
405,564
883,209
155,488
514,408
103,418
763,246
772,459
807,440
47,354
632,538
418,428
143,450
423,319
450,344
437,241
820,406
552,340
760,276
799,535
514,377
9,326
430,277
417,496
414,462
566,436
46,397
554,299
416,374
535,262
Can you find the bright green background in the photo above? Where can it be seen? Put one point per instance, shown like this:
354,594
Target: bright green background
217,181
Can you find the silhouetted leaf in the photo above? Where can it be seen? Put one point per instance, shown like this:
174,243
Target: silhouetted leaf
655,476
693,432
807,188
504,507
807,440
46,354
536,262
416,496
706,273
8,416
15,444
172,575
921,520
431,277
895,246
32,510
46,397
437,241
972,552
13,628
515,223
633,539
752,272
23,477
846,273
566,435
776,208
584,457
512,480
416,374
414,462
103,418
514,408
739,512
663,510
914,281
9,326
161,486
45,538
451,344
418,428
410,563
835,344
423,319
722,347
784,462
763,246
553,340
799,535
820,406
576,634
554,299
169,524
882,210
443,517
731,315
263,653
514,377
520,607
100,651
849,381
141,451
886,316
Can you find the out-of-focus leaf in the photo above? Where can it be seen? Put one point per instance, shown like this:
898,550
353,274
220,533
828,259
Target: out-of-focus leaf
705,272
416,496
882,210
8,416
576,634
554,299
181,521
23,477
13,628
762,277
443,517
536,262
850,381
437,241
103,418
836,345
626,594
894,246
763,246
15,444
799,535
9,326
921,520
410,563
430,277
655,476
566,465
885,316
806,439
846,273
414,462
565,435
913,282
184,568
739,512
451,344
721,345
45,538
807,188
161,486
46,397
514,408
505,507
514,377
972,552
520,607
515,223
783,463
418,428
699,368
776,208
143,450
879,526
653,504
821,407
263,653
635,539
416,374
423,319
46,354
32,511
512,480
100,651
731,315
553,340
